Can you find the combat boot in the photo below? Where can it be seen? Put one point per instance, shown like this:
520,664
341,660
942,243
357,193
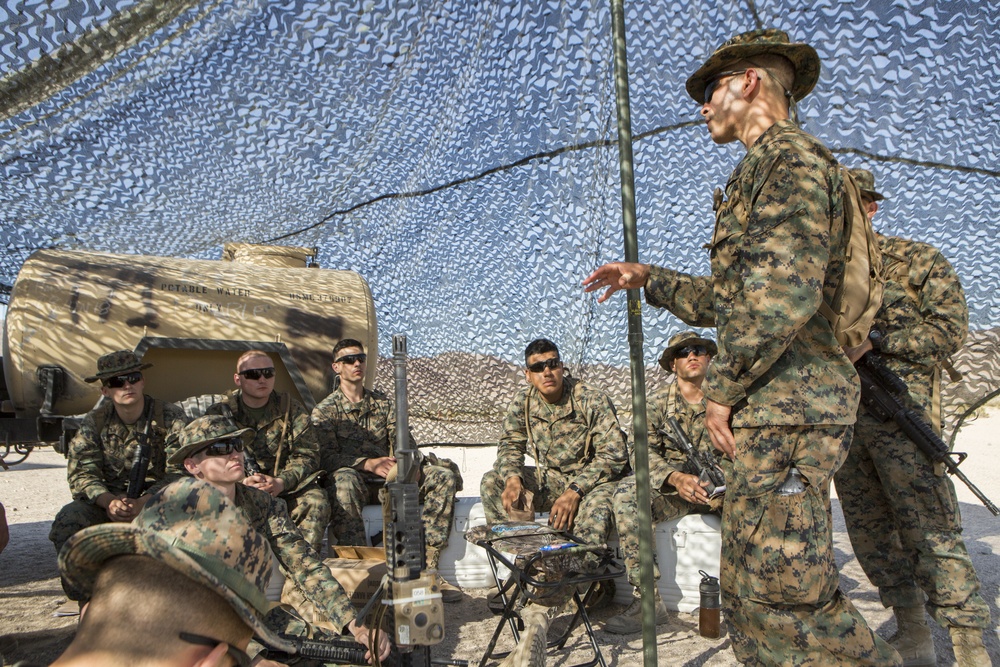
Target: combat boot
449,592
968,646
530,651
913,639
630,621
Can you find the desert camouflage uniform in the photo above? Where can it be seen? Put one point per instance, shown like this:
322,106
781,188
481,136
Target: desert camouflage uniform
99,461
307,504
351,433
665,457
298,561
577,440
902,513
794,396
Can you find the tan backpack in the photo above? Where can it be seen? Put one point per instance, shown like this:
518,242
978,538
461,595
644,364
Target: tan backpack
859,295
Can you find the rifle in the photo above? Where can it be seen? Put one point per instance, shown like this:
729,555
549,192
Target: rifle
880,392
705,465
250,465
337,651
140,463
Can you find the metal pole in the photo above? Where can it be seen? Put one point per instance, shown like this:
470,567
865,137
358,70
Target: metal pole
646,582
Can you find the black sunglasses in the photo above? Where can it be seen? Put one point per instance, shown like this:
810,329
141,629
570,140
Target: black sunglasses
699,350
240,657
224,447
119,381
539,366
258,373
713,83
351,359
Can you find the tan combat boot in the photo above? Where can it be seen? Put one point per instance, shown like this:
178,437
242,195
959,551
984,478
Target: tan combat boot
449,592
969,648
913,639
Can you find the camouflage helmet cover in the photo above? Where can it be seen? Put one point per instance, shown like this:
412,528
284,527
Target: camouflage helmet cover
684,338
756,42
203,431
193,528
116,363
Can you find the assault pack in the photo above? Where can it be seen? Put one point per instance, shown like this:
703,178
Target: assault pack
859,295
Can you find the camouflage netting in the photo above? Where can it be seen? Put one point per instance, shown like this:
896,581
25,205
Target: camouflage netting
462,156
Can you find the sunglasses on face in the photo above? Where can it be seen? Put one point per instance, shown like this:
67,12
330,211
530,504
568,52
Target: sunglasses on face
714,82
539,366
119,381
351,359
258,373
238,656
224,447
684,352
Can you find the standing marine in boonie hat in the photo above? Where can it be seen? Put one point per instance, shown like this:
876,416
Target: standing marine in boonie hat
102,454
780,391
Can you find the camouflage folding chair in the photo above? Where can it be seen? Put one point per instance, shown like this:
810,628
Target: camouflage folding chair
546,567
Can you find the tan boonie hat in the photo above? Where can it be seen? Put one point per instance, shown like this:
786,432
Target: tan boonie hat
203,431
754,43
683,339
866,183
192,527
116,363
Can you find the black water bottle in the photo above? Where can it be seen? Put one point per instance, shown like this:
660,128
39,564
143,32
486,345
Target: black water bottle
708,613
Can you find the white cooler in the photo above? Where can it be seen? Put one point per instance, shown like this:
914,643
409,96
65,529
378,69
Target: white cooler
683,547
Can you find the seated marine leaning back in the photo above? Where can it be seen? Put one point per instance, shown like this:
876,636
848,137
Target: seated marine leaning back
211,449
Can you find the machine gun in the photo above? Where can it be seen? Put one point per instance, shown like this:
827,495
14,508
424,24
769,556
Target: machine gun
881,390
140,463
418,611
704,465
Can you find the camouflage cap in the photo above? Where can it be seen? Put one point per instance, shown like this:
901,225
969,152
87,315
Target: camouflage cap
193,528
684,338
756,42
117,363
203,431
866,183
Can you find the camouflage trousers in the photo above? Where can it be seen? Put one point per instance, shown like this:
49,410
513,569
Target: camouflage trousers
664,507
595,518
71,519
351,492
903,519
310,511
779,579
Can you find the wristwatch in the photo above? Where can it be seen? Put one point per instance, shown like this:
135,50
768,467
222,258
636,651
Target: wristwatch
576,489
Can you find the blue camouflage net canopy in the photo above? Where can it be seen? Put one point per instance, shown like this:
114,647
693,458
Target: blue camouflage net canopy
462,156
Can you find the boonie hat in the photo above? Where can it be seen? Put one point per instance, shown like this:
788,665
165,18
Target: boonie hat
754,43
116,363
193,528
866,183
683,339
203,431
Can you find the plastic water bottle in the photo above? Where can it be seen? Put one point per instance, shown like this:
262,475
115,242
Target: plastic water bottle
708,613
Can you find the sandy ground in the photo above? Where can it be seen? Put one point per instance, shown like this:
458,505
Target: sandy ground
29,591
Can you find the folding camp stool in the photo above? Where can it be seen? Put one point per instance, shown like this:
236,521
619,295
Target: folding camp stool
539,560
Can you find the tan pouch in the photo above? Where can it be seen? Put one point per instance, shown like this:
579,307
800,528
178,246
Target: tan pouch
523,509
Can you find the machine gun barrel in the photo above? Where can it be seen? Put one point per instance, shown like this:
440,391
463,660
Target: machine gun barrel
879,389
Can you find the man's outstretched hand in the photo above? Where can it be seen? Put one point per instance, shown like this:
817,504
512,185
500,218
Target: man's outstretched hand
616,276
